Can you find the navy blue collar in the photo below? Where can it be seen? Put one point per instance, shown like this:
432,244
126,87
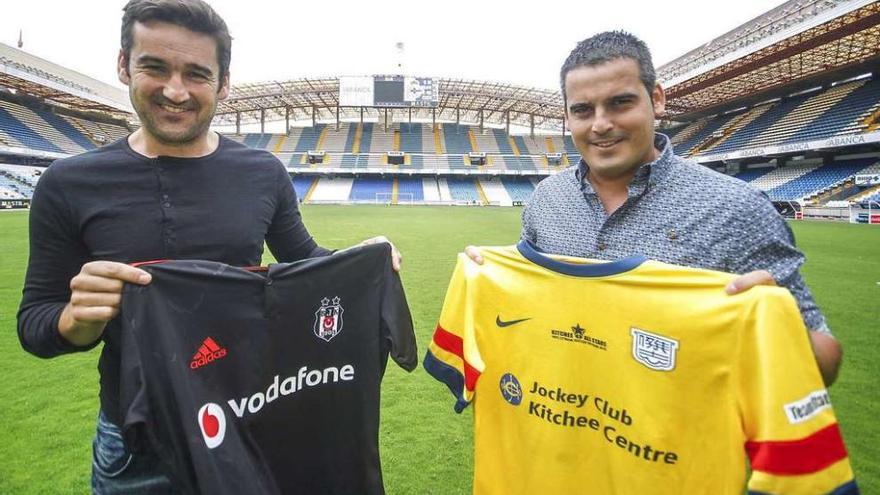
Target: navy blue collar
533,254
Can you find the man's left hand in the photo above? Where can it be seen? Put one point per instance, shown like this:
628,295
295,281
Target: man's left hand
749,280
826,348
396,258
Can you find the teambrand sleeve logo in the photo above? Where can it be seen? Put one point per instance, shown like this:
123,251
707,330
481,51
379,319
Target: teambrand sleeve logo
328,319
654,351
212,424
804,409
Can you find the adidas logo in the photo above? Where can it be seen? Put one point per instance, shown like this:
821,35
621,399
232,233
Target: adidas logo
208,352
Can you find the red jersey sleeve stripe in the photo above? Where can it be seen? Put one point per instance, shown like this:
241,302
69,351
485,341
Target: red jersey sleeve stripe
804,456
448,341
452,343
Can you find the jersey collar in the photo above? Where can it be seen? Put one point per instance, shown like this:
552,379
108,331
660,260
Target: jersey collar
533,254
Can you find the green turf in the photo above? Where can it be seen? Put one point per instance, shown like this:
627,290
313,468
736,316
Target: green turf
47,408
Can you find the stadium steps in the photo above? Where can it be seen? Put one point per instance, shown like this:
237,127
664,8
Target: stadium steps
688,131
494,192
684,147
736,124
873,121
302,186
358,136
88,133
332,190
430,189
444,190
279,143
438,139
866,195
311,191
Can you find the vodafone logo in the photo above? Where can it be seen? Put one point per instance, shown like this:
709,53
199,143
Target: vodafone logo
212,423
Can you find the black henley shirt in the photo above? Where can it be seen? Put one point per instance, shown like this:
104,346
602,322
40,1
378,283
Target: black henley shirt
117,205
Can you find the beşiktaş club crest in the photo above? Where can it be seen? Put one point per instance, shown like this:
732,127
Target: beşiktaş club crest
654,351
328,319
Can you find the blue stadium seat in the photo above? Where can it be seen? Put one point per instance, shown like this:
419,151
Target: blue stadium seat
841,115
463,189
302,185
411,137
409,185
518,189
818,179
366,189
24,134
456,139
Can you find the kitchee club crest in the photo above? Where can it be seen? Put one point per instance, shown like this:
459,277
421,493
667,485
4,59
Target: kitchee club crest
328,319
654,351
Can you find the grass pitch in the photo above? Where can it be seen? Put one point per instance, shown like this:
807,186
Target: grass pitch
48,408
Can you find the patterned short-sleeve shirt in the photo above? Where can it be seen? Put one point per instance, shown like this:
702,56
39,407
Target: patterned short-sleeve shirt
677,211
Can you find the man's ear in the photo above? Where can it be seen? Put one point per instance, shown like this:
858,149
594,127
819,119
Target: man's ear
658,98
224,87
122,68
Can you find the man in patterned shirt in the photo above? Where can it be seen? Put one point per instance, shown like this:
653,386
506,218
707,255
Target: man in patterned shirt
631,194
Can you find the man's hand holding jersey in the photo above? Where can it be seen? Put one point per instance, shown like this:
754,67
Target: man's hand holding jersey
96,292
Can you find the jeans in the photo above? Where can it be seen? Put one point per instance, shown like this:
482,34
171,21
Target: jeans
115,471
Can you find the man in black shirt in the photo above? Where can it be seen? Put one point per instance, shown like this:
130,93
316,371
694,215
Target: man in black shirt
171,190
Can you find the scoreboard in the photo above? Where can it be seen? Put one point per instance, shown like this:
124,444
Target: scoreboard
388,91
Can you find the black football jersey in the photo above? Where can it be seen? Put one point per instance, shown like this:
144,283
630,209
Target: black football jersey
264,380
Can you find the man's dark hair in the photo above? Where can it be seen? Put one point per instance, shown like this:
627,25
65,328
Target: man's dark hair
608,46
194,15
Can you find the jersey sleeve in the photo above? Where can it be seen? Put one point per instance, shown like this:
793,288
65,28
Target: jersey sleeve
453,357
397,325
793,440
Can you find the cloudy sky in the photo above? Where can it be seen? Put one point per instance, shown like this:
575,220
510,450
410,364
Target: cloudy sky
511,41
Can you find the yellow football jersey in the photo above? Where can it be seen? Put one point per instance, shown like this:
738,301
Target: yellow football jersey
633,377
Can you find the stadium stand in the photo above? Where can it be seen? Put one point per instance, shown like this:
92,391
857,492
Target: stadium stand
302,185
461,189
749,89
410,189
331,189
818,179
518,189
751,174
370,189
495,192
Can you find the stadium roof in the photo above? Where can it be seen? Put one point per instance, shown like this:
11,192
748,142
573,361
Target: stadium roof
460,99
26,73
798,45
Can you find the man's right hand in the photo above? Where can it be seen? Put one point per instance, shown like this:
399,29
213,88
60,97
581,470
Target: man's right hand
96,293
473,253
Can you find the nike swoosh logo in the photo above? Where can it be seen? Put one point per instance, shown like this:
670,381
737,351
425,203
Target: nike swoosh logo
503,324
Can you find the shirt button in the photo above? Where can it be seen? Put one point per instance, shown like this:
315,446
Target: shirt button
166,204
601,246
165,197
